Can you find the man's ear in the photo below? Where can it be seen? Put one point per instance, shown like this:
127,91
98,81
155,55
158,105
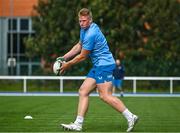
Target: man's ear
91,20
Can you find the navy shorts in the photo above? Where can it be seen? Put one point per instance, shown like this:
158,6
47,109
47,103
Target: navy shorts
117,83
102,74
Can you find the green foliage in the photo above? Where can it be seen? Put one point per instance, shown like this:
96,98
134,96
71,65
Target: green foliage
147,31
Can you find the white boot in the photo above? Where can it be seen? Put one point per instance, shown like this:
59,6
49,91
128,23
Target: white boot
132,122
72,127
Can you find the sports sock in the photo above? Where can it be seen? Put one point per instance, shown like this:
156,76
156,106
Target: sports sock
79,120
127,114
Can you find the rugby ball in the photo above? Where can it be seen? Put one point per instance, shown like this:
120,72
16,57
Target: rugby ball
56,67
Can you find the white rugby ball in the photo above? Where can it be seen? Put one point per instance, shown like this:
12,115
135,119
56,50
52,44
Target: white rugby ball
56,67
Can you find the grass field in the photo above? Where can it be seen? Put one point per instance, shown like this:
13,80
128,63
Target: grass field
157,114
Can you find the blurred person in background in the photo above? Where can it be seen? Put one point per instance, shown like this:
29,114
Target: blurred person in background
93,44
118,74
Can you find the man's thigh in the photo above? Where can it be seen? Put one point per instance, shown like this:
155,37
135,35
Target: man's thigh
105,88
88,85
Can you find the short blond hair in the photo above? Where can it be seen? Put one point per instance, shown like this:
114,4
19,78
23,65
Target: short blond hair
85,12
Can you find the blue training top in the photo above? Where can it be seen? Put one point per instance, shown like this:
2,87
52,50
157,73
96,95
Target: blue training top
92,39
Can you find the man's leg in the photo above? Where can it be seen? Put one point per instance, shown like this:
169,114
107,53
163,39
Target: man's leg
120,88
116,103
104,89
84,91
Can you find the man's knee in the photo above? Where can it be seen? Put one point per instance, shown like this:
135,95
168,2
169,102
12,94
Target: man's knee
104,97
82,92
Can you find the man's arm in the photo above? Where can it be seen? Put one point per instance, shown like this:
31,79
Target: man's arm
80,57
74,51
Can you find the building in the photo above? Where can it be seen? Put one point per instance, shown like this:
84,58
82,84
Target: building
15,25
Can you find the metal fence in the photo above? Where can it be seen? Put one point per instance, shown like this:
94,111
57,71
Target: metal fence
62,78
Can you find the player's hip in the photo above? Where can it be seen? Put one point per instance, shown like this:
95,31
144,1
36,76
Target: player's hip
102,73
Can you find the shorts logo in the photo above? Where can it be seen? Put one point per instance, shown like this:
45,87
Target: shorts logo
109,76
99,77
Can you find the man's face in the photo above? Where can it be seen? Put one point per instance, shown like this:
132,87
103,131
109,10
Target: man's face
84,21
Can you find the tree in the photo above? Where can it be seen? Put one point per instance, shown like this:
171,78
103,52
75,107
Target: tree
146,31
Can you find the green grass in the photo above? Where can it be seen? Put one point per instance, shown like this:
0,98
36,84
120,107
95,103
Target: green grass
156,114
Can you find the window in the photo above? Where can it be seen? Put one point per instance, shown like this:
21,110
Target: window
12,43
24,24
12,24
22,44
18,30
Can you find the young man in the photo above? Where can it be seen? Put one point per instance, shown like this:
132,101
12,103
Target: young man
93,44
118,74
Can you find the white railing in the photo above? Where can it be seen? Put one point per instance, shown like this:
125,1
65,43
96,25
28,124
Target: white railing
62,78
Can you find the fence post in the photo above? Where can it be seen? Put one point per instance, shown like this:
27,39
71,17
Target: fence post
171,86
134,85
61,85
24,85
